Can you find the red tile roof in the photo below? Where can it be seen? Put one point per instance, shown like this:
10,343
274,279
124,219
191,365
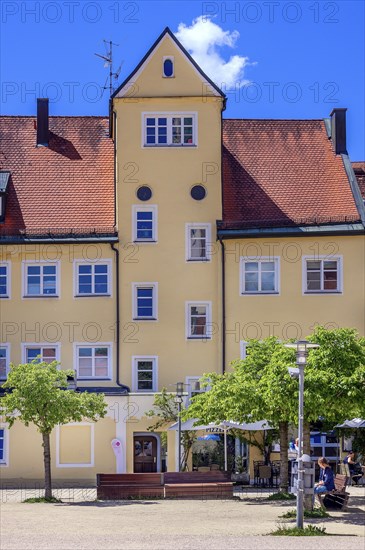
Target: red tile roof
68,186
359,169
282,172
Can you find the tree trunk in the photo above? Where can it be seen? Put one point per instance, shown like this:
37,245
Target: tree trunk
283,433
47,466
308,501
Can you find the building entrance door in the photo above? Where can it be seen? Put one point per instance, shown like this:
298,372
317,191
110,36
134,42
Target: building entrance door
145,454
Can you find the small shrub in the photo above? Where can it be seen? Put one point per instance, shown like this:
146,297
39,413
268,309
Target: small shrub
42,499
309,531
316,513
282,496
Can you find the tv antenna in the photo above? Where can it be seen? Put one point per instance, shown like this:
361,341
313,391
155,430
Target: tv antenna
108,59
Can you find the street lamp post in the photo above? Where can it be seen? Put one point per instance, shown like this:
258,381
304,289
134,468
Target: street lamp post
301,347
179,400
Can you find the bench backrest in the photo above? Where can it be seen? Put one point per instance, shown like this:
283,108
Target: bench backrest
129,479
340,482
213,476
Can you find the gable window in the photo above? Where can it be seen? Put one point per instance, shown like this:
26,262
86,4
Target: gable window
145,301
198,320
145,373
169,129
322,275
259,276
3,445
4,280
4,361
144,223
40,279
40,353
93,361
93,279
168,67
198,241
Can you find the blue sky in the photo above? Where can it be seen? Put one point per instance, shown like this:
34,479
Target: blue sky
294,59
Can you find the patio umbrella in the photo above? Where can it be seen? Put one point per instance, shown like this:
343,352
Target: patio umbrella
222,427
354,423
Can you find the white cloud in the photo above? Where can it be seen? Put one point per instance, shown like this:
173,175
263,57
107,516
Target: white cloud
202,39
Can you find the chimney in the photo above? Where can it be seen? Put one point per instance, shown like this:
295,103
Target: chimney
338,130
42,122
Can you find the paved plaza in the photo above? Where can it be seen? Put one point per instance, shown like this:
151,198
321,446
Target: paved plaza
82,523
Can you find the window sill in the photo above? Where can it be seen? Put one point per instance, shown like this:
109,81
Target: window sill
92,295
171,145
41,296
144,318
260,293
199,261
199,337
322,292
91,379
5,297
151,241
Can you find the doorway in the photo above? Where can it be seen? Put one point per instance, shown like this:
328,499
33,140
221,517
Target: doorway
145,454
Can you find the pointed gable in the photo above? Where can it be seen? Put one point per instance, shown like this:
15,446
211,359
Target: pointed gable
148,79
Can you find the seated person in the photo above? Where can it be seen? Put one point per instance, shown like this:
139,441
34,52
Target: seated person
326,480
354,467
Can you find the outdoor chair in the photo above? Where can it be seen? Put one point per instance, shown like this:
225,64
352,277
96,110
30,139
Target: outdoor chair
355,478
265,475
275,465
256,473
214,466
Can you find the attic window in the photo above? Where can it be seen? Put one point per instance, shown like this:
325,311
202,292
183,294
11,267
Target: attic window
168,67
4,181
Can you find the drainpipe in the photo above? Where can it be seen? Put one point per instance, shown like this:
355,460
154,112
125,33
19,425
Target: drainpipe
223,307
127,390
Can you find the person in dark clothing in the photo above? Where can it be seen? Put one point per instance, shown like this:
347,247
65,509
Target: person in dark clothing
326,479
354,467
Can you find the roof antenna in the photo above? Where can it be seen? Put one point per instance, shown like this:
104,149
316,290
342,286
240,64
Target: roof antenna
108,58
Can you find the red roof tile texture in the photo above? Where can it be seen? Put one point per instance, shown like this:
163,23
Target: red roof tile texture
68,186
359,169
282,172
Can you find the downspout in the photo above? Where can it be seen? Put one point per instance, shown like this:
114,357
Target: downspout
127,390
223,306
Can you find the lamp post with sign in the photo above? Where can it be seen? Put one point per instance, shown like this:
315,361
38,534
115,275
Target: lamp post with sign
301,347
179,400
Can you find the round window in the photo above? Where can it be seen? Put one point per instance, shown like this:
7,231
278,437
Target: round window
198,192
144,193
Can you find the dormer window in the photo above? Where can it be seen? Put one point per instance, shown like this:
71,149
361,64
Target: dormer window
168,67
4,181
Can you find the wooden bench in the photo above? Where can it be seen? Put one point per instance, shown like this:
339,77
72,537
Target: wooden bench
123,486
203,485
337,498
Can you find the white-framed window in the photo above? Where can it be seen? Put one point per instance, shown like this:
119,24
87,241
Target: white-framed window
198,241
322,275
4,360
169,129
243,349
92,278
144,223
40,279
168,66
198,320
40,352
260,276
144,373
4,445
93,361
5,279
144,301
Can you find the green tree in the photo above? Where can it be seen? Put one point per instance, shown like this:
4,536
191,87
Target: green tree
37,394
165,408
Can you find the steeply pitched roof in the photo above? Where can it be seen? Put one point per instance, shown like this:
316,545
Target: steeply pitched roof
282,173
359,169
66,187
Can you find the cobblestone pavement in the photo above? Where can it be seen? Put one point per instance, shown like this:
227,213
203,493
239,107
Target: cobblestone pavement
82,523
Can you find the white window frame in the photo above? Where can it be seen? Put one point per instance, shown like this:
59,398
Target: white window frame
135,287
135,359
26,345
208,237
338,259
102,261
28,263
7,296
90,464
144,208
170,115
248,259
165,58
108,345
188,306
243,349
7,359
4,462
